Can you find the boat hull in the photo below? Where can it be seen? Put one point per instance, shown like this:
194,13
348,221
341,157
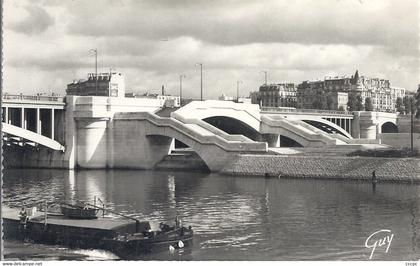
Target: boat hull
79,213
132,246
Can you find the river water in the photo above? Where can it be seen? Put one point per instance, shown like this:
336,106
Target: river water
234,218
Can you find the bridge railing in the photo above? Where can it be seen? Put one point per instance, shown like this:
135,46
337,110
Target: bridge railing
300,128
293,110
43,98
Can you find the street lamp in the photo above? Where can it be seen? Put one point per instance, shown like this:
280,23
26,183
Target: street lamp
96,69
265,76
237,89
180,87
110,74
201,79
412,122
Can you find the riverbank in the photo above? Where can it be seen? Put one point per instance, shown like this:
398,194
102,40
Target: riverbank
404,170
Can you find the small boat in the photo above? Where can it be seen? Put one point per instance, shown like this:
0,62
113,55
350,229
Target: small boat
165,238
78,212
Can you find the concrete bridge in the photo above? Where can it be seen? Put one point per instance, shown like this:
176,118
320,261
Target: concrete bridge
307,128
33,120
102,132
359,124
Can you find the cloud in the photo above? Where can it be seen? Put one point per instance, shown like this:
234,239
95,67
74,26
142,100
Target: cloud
30,19
240,22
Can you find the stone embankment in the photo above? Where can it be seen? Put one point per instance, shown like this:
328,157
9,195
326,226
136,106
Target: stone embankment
359,168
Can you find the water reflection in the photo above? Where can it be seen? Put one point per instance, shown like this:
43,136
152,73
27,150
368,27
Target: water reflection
70,187
243,218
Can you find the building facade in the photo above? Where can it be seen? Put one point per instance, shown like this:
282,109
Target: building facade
340,100
103,84
224,97
383,96
276,95
166,100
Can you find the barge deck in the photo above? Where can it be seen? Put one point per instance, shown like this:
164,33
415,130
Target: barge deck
58,229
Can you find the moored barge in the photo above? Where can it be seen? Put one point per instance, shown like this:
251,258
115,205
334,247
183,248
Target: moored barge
124,237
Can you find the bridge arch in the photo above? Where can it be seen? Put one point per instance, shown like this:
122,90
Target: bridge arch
233,126
389,127
248,114
31,136
327,126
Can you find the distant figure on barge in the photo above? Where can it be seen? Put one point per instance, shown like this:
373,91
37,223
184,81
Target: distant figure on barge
23,218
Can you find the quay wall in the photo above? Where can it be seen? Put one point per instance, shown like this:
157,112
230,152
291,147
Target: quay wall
34,157
359,168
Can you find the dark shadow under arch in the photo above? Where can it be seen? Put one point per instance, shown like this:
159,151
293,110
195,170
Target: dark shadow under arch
182,158
233,126
389,127
324,127
180,145
288,142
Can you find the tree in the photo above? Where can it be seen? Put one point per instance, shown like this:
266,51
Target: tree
368,104
407,104
320,102
359,103
330,102
355,102
351,102
399,105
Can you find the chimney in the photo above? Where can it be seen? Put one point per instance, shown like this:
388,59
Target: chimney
163,90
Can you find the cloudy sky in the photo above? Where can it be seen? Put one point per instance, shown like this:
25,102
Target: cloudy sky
152,42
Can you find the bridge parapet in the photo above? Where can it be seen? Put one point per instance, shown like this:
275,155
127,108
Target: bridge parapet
106,107
33,101
305,111
301,132
43,98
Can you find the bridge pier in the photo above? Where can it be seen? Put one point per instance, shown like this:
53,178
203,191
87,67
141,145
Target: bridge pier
273,140
91,142
133,148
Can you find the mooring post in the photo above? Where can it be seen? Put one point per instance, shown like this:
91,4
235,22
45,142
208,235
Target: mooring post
374,180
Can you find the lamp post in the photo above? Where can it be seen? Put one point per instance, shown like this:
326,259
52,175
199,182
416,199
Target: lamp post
412,123
96,69
201,79
180,87
110,74
237,89
265,76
